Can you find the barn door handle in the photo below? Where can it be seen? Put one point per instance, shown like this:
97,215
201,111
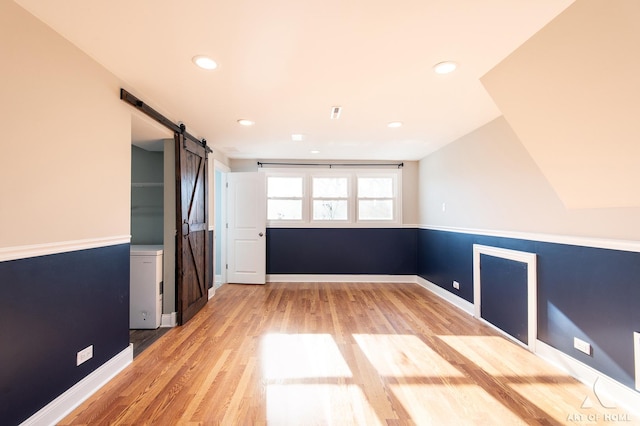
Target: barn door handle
188,228
260,234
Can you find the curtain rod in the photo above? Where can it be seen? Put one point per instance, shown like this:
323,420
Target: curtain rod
141,106
331,165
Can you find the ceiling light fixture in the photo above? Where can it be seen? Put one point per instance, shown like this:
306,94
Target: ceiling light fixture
315,151
394,124
245,122
205,62
297,137
445,67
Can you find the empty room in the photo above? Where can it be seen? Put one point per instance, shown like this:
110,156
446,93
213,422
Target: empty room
246,212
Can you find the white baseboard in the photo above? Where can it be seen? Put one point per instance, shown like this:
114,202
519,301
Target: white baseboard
57,409
624,397
217,282
348,278
446,295
169,320
211,293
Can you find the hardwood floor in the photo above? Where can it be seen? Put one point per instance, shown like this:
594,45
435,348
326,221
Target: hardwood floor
142,339
336,353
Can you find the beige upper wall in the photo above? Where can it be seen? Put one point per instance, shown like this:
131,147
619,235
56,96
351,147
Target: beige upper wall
409,184
410,193
571,95
488,181
242,165
66,142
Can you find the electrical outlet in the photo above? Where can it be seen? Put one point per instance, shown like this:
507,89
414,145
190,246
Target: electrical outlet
582,346
456,285
84,355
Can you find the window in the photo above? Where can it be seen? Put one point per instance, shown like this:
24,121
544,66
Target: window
376,196
334,198
284,198
330,198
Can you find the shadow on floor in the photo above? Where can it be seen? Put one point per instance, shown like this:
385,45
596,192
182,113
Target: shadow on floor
142,339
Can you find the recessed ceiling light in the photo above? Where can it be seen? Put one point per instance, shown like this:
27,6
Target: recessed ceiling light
297,137
394,124
245,122
205,62
445,67
315,151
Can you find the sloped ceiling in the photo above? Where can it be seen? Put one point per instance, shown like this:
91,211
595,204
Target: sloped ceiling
572,95
285,63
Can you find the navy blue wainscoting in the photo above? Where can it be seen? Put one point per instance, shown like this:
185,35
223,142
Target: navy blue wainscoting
505,280
584,292
51,307
374,251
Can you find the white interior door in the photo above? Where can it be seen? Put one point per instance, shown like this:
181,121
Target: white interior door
247,249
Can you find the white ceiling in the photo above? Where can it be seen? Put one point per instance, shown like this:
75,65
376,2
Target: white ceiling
285,63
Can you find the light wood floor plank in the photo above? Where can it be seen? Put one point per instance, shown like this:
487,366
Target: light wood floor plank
336,353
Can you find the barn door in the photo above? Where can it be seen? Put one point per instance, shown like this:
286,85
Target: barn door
192,236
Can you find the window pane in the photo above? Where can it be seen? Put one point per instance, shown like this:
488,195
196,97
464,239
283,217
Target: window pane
330,187
329,209
377,187
285,187
284,209
375,209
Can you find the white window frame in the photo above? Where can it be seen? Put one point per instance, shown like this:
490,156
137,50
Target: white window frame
396,211
349,197
305,207
307,204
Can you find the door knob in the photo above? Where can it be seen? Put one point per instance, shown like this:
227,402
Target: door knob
260,234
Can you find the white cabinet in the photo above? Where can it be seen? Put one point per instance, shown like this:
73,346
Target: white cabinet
145,306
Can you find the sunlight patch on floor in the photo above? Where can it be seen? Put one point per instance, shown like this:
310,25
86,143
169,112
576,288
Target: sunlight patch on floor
404,356
430,404
543,385
297,356
559,407
318,405
498,356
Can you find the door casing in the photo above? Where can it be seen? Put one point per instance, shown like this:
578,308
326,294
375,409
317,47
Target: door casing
532,301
